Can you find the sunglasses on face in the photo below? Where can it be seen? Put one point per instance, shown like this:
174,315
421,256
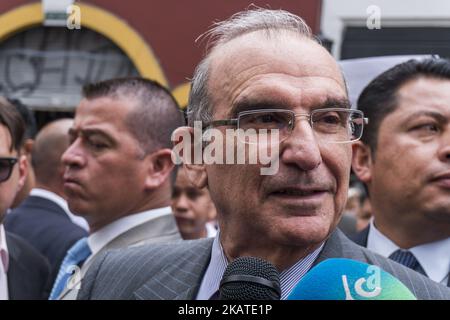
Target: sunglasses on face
6,167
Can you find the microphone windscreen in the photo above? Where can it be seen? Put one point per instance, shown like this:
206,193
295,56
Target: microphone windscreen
250,278
345,279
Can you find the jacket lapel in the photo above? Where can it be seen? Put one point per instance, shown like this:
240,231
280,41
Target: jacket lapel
180,279
14,270
20,283
156,230
339,246
361,237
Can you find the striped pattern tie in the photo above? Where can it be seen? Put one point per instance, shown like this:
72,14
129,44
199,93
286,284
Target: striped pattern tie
407,259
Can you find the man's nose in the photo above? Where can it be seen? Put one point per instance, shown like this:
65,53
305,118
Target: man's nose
444,149
301,147
181,204
73,156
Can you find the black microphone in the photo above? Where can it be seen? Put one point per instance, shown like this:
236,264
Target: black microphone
250,278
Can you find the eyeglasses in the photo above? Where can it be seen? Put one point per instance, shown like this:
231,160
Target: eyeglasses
6,167
334,125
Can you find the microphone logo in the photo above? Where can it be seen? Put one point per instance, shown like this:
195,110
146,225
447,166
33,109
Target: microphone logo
365,288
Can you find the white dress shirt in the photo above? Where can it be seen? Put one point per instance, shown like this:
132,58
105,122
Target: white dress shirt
211,230
42,193
434,257
4,262
99,239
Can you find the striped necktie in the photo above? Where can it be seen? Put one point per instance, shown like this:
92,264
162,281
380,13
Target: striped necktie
407,259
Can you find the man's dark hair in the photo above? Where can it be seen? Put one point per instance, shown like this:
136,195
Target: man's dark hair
156,113
379,97
11,119
28,118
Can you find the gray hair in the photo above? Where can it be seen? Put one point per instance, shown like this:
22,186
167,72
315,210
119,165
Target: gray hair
266,20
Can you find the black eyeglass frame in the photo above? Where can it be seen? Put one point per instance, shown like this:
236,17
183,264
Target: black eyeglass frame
11,162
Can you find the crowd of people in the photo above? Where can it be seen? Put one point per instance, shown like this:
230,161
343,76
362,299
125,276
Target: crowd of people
96,208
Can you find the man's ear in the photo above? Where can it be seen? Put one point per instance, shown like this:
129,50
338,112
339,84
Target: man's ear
28,147
159,168
362,161
188,150
23,171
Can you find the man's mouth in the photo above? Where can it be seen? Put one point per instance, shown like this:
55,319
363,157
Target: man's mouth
294,192
71,183
443,180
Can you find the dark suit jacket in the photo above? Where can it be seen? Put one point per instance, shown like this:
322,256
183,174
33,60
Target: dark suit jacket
175,270
46,227
28,273
361,239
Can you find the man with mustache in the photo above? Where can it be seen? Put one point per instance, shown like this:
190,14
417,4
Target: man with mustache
404,159
264,72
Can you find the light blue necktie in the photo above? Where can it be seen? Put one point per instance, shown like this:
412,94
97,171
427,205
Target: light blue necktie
76,255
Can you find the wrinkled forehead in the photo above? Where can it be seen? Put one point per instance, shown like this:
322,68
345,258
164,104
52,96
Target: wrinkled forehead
260,62
284,50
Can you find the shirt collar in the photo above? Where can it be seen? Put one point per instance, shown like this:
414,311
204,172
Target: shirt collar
46,194
102,237
62,203
4,255
211,230
218,263
434,257
379,243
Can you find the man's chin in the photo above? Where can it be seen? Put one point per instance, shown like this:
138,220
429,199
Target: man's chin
79,209
307,230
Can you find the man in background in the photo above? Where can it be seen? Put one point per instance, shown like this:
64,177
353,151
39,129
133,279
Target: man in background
27,147
193,208
404,159
43,218
118,171
24,273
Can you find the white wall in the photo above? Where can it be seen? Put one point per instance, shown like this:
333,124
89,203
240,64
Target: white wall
336,14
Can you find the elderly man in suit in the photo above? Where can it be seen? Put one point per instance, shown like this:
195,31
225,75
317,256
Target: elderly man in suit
264,72
24,273
404,159
119,172
43,218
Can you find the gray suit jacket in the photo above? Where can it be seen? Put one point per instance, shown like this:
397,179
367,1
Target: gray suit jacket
159,230
175,271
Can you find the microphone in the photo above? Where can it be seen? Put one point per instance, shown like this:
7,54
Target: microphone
345,279
250,278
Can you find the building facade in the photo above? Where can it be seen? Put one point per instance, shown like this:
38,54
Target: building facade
50,48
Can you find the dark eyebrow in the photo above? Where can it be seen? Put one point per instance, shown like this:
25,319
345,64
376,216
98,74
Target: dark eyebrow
438,116
90,132
248,105
334,103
